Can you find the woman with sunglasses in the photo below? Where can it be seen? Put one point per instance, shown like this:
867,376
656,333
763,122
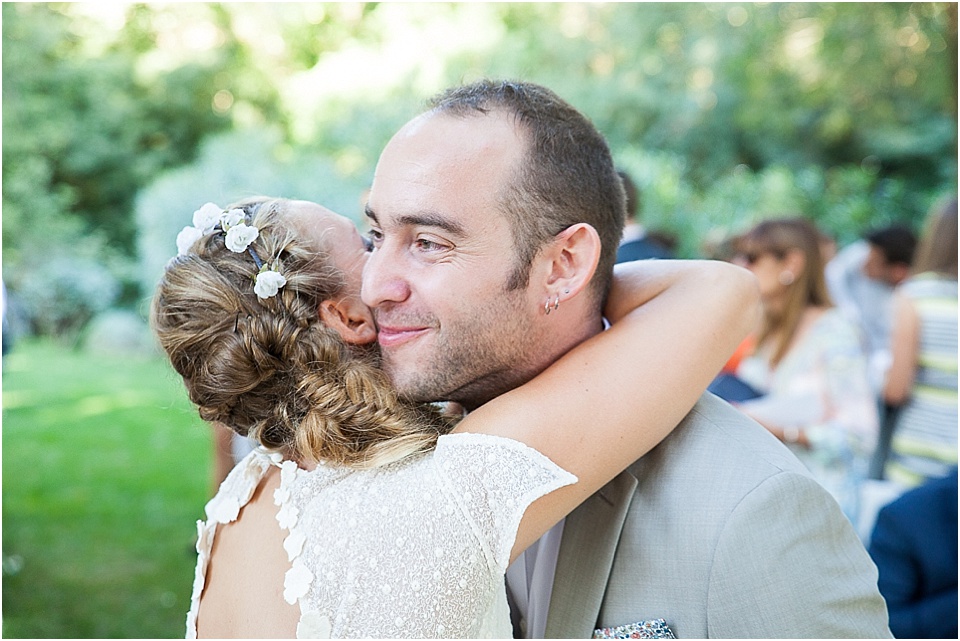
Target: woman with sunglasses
808,364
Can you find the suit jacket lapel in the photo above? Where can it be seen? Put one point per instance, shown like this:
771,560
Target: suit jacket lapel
590,536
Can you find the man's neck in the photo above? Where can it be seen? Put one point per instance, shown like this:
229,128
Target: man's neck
561,341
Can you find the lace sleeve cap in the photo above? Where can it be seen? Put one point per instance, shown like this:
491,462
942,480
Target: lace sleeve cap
494,480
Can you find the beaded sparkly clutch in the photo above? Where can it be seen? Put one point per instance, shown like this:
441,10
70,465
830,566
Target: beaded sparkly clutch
651,629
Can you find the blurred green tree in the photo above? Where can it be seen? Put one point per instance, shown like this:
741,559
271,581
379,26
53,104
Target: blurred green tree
724,112
853,103
82,128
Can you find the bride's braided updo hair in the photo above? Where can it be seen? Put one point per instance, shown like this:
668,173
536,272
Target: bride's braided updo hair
270,368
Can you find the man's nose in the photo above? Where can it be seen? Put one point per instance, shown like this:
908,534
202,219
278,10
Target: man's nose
383,279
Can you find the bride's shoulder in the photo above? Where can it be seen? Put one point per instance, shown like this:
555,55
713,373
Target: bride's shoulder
492,457
459,443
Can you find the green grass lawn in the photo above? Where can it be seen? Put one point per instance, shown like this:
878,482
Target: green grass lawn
106,468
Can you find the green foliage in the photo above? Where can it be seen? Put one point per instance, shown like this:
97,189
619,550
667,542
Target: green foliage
728,113
83,133
845,112
843,201
230,167
61,294
793,85
84,127
106,468
119,331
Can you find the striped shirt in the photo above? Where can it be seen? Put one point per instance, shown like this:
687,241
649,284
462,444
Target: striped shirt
925,440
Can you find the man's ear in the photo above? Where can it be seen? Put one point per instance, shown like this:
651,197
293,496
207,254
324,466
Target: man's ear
573,256
351,319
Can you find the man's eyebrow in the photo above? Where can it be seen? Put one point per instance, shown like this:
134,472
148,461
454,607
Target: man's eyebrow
426,219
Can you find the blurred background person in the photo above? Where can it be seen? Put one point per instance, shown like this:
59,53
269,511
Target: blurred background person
828,248
861,279
637,243
808,365
914,545
922,379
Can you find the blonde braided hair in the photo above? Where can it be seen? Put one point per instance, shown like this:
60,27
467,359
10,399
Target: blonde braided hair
269,368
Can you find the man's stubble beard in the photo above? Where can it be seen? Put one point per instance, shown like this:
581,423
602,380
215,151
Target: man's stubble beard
476,361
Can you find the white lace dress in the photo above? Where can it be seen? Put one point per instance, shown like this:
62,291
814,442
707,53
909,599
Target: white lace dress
414,549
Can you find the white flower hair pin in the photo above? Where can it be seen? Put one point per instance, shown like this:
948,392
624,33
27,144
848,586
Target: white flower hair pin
239,237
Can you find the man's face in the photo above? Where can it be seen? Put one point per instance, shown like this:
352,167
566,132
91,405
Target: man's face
449,328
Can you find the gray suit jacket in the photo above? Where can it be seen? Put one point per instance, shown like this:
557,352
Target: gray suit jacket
722,532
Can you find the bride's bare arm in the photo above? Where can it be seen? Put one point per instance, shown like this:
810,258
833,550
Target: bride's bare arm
612,398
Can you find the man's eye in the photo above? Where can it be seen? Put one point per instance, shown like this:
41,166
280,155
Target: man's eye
373,239
424,244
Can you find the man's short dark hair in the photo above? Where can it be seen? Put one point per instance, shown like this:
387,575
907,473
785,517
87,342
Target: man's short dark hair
566,176
897,243
631,194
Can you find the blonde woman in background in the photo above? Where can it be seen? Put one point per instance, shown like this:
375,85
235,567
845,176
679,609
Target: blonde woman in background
808,364
922,379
